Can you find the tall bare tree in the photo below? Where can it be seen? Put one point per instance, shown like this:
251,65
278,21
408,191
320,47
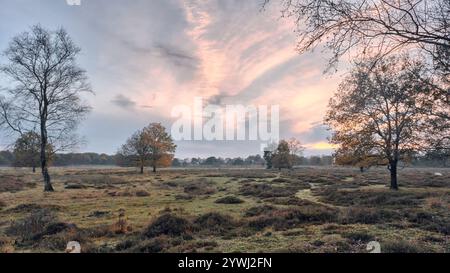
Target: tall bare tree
45,93
377,112
375,27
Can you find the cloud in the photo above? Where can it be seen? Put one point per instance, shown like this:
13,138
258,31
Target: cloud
176,56
166,52
123,102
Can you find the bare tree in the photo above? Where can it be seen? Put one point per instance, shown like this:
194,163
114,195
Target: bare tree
45,95
377,113
296,148
374,27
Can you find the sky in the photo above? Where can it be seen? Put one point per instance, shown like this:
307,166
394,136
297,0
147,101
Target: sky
145,57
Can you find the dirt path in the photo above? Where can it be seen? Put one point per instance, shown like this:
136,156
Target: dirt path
309,196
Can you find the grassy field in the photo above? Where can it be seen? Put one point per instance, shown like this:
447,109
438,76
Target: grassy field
305,210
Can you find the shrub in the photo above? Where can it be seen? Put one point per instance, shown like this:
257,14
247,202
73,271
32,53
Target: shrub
59,235
371,198
358,236
401,247
127,244
184,197
436,203
259,223
29,208
201,186
42,229
198,246
32,227
281,180
229,200
11,184
290,201
99,231
58,227
6,245
98,214
354,215
430,221
154,245
214,223
256,211
142,193
282,219
267,191
73,186
317,213
167,224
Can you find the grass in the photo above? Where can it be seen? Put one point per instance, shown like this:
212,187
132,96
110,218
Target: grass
304,210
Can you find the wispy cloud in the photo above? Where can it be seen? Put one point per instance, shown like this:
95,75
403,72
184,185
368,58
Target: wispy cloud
161,53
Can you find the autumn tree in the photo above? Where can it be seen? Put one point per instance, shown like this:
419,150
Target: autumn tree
377,112
27,151
282,158
352,156
151,146
161,145
45,93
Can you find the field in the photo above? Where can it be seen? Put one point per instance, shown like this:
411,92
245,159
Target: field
230,210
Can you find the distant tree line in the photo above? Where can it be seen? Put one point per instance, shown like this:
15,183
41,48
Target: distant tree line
253,160
250,161
7,158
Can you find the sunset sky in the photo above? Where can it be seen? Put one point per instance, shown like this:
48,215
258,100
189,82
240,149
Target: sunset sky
144,57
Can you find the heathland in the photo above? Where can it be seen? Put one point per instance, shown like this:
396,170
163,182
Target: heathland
310,209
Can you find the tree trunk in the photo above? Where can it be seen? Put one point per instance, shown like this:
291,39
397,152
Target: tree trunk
393,170
142,169
34,169
154,168
44,164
